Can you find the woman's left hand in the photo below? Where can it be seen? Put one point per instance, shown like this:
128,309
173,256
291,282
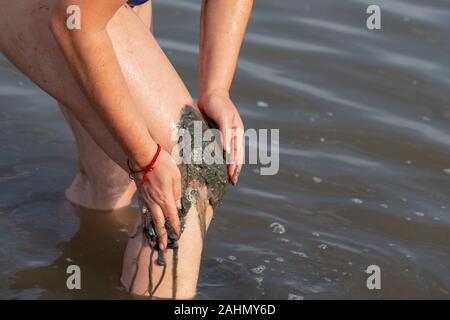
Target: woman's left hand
219,108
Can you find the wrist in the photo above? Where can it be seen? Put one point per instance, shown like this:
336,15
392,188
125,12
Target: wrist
217,92
207,96
141,159
143,173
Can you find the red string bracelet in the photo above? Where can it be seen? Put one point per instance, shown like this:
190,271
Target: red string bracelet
149,168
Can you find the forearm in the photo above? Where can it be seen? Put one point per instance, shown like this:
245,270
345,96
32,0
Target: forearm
93,62
222,25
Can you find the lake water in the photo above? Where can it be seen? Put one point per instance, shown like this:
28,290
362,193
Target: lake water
364,119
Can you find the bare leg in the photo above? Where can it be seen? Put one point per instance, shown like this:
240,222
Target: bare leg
142,275
101,183
154,84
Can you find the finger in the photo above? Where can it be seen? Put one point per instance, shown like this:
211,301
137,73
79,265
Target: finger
237,172
232,163
171,213
239,154
158,221
177,189
227,135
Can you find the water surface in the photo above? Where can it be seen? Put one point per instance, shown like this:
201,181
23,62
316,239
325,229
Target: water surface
364,166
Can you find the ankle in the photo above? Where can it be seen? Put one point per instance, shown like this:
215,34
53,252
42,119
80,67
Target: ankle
90,195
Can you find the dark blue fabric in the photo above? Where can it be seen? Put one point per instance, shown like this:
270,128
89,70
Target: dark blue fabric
136,2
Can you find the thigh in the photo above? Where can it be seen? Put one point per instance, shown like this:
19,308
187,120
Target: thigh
154,84
91,156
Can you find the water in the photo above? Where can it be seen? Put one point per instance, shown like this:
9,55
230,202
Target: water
364,176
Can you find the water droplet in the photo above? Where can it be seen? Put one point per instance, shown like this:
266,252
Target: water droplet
232,258
277,228
322,140
322,246
300,254
317,179
357,201
262,104
316,234
420,214
279,259
292,296
330,114
384,205
447,170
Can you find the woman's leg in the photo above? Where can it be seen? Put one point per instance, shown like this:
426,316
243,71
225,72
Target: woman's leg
92,188
154,84
101,183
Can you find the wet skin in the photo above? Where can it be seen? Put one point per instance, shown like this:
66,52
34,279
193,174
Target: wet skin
203,187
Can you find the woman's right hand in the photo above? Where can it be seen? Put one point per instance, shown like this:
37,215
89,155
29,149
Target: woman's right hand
161,194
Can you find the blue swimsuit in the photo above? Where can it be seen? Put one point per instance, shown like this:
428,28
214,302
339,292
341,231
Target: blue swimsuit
136,2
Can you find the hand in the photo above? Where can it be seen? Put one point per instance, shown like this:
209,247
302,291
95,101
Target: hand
219,108
161,194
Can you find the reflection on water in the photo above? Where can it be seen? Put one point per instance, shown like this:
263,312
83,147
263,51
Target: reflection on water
97,248
364,171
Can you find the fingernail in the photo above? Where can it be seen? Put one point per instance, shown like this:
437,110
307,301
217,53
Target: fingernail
161,246
179,204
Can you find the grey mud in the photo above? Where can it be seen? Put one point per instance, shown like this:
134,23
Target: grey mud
203,185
